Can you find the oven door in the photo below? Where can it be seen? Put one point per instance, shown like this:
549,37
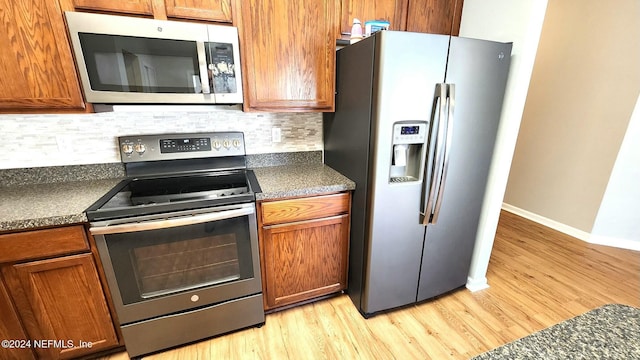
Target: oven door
162,264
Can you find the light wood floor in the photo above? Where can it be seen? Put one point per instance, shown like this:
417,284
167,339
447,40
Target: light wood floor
538,277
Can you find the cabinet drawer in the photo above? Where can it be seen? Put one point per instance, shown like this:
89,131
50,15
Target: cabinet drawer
284,211
42,243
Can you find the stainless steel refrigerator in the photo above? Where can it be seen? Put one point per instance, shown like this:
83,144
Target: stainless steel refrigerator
415,126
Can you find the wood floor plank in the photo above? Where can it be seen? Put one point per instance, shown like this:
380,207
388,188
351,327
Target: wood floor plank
537,276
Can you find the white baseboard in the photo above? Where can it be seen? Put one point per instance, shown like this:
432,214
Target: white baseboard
615,242
571,231
566,229
477,284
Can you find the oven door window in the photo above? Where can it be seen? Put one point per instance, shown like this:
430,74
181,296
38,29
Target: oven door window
154,263
133,64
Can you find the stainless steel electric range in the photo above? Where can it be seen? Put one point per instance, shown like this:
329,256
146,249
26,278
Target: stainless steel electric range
178,240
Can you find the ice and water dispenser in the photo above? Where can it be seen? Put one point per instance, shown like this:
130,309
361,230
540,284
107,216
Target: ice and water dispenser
409,138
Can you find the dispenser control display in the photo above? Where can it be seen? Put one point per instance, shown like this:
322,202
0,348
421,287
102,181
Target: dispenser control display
408,151
409,130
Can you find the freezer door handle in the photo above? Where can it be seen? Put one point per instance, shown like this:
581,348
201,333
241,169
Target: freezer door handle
433,165
450,104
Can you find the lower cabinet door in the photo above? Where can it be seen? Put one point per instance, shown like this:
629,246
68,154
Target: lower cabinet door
11,330
62,306
305,259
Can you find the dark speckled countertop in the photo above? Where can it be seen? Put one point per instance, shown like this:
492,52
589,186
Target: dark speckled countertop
299,180
63,202
41,205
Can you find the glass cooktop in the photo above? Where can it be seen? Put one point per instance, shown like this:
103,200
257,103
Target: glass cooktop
181,188
138,196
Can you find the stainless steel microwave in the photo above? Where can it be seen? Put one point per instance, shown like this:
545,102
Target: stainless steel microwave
144,61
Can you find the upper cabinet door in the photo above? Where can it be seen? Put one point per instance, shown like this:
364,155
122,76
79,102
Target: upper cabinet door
142,7
428,16
289,54
393,11
212,10
208,10
435,16
37,70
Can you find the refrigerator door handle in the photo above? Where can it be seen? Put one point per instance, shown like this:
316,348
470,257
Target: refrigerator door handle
451,96
429,184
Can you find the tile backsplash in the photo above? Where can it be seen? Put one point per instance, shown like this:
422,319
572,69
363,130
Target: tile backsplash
35,140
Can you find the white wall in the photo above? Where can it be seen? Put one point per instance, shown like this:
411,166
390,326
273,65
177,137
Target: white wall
584,85
618,219
519,22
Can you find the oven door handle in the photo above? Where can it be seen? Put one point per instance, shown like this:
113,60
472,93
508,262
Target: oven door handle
172,222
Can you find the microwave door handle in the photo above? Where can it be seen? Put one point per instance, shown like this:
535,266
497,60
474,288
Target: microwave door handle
172,222
451,95
202,64
429,185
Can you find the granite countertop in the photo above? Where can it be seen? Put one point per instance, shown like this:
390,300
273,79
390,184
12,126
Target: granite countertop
64,202
299,180
49,204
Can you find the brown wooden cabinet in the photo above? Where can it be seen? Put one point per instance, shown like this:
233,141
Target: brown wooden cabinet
434,16
59,298
393,11
11,328
207,10
288,50
428,16
142,7
304,245
37,69
212,10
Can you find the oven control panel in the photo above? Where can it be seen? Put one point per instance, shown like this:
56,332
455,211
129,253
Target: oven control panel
181,146
185,145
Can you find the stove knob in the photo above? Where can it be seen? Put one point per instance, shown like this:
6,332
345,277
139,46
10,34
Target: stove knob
140,148
236,143
226,144
127,149
216,144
